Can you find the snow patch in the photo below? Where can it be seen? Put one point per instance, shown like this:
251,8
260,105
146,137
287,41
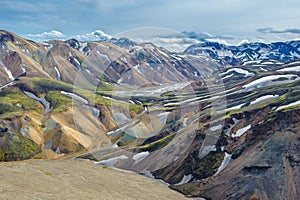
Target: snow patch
117,131
163,53
77,62
140,156
185,179
263,69
241,131
11,77
7,84
137,67
263,99
124,59
109,98
120,80
88,71
228,76
235,107
290,69
289,105
57,73
112,161
227,159
75,96
232,126
185,122
271,80
239,71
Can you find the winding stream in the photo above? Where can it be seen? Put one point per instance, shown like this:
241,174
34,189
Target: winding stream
42,100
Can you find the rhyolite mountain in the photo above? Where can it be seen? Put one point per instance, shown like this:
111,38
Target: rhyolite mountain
207,127
61,60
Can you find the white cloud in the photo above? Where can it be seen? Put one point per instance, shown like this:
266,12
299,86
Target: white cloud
245,41
218,41
167,38
174,44
54,34
93,36
272,30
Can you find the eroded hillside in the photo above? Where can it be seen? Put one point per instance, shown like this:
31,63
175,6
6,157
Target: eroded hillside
212,131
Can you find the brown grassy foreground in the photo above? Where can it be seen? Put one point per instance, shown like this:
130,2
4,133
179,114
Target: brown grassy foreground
76,179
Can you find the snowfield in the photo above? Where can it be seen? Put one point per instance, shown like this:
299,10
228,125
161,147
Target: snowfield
239,71
75,96
289,105
263,99
225,163
185,179
290,69
271,80
57,73
140,156
112,161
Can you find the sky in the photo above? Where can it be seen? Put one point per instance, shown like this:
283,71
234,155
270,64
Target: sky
242,19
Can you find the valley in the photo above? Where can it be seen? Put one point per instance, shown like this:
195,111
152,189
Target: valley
212,122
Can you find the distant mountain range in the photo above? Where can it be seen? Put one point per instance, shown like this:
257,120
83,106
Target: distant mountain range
233,55
238,55
204,44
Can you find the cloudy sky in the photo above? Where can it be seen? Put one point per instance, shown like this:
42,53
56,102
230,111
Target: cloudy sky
239,18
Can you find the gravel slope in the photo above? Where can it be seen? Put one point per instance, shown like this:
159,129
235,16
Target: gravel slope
76,179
